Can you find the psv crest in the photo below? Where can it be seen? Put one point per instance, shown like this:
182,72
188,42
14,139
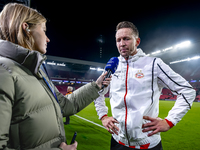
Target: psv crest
139,74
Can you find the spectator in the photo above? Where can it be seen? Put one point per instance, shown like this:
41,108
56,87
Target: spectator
69,91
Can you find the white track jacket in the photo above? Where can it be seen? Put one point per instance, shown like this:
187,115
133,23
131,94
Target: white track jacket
134,92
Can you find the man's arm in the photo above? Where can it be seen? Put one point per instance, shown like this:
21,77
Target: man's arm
102,110
100,105
186,96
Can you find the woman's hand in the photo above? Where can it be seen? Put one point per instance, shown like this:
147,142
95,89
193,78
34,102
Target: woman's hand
100,81
64,146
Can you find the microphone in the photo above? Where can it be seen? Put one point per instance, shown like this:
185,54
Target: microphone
111,67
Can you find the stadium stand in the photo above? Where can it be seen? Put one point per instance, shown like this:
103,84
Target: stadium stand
76,73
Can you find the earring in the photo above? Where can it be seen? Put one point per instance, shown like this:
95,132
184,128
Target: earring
28,30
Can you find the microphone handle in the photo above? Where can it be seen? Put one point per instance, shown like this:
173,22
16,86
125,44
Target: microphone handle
107,76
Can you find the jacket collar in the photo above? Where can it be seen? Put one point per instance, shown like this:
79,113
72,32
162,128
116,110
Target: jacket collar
133,58
29,58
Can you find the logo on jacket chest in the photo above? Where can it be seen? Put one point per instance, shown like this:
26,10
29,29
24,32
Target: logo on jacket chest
139,74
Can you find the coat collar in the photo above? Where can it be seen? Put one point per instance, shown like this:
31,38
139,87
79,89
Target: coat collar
29,58
133,58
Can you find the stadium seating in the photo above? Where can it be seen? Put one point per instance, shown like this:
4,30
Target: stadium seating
167,95
163,97
198,97
63,88
166,91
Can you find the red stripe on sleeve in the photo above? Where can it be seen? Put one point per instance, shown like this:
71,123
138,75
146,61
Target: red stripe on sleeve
170,123
103,116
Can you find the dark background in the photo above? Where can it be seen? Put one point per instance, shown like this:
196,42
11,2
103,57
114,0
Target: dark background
75,28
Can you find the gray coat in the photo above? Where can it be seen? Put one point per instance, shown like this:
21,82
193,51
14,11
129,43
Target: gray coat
30,116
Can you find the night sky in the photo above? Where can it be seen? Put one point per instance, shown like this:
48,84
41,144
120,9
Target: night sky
74,28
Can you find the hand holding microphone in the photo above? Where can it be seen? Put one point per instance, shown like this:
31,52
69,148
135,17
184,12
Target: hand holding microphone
101,80
111,67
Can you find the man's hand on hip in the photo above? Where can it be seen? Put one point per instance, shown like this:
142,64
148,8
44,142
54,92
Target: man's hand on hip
156,125
108,123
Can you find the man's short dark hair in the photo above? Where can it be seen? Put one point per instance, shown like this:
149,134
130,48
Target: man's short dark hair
127,24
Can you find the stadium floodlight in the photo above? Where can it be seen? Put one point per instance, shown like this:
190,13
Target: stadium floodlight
186,59
195,57
61,64
91,68
156,52
166,49
183,44
51,63
100,69
178,61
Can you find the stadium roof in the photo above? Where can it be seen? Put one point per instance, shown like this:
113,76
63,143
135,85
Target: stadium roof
72,68
75,61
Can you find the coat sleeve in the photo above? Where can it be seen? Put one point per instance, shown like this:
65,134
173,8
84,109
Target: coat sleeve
6,102
79,99
179,86
5,119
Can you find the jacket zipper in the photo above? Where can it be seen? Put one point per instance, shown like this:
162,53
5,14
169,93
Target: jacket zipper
125,102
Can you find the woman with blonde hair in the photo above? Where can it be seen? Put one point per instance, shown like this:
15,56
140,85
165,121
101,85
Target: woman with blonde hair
31,108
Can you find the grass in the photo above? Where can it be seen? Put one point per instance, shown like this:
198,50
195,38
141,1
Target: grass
184,136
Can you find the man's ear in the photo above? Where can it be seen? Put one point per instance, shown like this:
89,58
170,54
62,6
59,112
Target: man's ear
137,42
25,27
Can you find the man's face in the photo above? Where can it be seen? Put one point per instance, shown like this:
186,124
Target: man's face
126,42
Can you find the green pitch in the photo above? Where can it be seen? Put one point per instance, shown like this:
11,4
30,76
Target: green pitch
184,136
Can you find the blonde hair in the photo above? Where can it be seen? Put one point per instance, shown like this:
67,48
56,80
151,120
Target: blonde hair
11,19
127,24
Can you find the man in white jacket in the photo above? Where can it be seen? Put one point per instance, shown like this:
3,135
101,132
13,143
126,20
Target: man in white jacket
134,95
